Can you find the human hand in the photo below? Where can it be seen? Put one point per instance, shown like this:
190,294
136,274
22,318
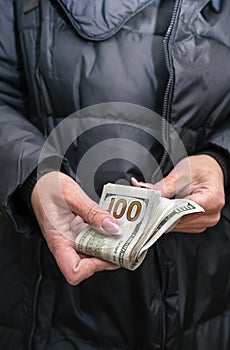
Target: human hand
199,178
62,210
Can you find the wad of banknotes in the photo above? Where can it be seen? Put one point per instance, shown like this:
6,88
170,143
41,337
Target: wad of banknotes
143,214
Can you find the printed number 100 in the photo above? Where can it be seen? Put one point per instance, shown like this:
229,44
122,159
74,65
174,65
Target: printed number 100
121,207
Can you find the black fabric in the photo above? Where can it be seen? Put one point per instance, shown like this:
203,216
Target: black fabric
163,20
223,161
54,163
29,5
179,299
25,191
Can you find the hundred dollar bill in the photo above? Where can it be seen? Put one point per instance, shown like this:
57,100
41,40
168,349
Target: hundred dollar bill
143,214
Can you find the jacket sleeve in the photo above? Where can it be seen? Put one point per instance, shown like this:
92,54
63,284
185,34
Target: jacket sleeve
222,158
20,141
218,144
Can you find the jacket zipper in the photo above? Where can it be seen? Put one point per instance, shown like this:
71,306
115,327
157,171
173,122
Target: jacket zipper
168,91
165,143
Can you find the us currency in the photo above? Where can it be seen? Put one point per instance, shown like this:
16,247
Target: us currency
143,215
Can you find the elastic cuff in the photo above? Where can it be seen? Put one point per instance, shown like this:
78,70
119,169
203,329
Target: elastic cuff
222,159
25,191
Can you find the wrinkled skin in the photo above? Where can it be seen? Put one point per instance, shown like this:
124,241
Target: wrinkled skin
199,178
62,209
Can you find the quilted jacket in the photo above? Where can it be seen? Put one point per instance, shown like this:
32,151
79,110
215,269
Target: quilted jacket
58,56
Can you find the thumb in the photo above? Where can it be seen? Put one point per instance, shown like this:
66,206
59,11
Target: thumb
168,185
94,215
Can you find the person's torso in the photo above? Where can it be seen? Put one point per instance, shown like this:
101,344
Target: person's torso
73,62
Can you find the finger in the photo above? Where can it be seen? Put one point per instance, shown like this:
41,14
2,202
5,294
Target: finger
110,267
137,183
73,267
204,197
141,184
179,181
91,212
134,182
65,255
195,223
191,230
88,266
77,225
167,186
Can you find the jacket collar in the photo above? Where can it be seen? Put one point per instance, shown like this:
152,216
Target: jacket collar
100,19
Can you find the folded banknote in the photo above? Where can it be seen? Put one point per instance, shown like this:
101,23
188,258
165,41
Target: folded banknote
143,214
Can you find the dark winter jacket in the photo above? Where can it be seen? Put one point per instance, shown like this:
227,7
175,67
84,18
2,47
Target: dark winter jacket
57,57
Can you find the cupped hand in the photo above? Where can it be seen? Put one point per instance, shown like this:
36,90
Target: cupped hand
199,178
62,210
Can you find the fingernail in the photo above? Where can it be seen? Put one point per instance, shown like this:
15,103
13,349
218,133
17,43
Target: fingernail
110,226
134,179
134,182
